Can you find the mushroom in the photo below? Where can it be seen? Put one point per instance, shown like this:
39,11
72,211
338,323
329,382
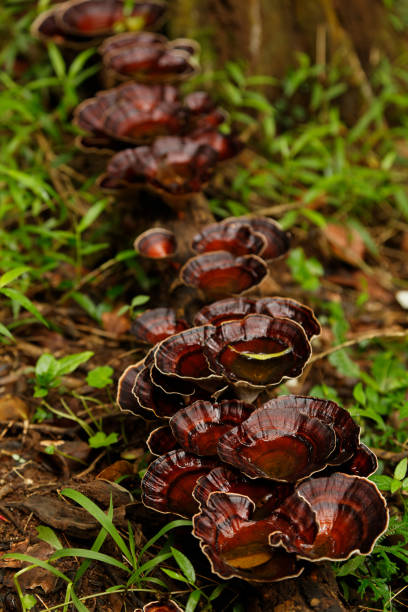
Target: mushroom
151,397
198,427
161,606
169,481
277,241
83,23
227,309
156,243
156,324
239,240
125,398
291,309
219,273
161,441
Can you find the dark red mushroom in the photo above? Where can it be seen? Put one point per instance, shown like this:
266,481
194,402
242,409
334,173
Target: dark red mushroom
277,240
161,441
153,398
225,310
362,463
278,443
162,606
125,398
258,350
220,237
219,273
156,243
198,427
350,512
292,309
346,430
46,28
156,324
168,484
238,546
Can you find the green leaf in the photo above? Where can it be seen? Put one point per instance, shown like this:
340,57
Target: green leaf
48,535
100,377
401,469
174,575
91,215
6,332
184,564
358,394
46,369
163,531
350,566
11,275
57,60
395,485
139,300
193,600
21,299
28,601
382,482
68,364
37,563
89,554
100,439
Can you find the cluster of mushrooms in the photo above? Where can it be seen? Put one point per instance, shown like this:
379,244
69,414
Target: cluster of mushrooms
269,483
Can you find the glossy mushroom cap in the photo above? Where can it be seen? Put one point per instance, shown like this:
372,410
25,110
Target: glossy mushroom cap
350,512
225,310
81,23
277,240
219,273
258,350
153,398
161,441
156,243
238,546
198,427
220,237
149,57
125,398
162,606
156,324
278,443
291,309
168,484
362,463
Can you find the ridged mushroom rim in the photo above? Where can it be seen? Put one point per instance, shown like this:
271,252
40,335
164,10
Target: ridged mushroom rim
234,262
171,606
220,232
302,307
203,546
246,384
354,551
159,348
70,41
250,219
122,381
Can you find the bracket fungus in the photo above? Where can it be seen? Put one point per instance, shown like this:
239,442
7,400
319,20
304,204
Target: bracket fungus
149,57
161,606
219,273
82,23
156,243
156,324
258,350
277,241
238,240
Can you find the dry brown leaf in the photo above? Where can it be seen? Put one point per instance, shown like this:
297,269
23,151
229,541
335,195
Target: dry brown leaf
345,242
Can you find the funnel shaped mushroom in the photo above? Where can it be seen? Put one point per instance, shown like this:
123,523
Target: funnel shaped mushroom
239,240
149,57
225,310
198,427
238,546
86,21
277,241
156,243
258,350
156,324
278,443
161,441
161,606
350,512
219,273
168,484
125,398
291,309
362,463
153,398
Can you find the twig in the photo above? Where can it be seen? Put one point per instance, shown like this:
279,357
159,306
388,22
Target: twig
370,335
91,466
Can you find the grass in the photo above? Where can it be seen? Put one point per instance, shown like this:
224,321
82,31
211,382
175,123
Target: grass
308,166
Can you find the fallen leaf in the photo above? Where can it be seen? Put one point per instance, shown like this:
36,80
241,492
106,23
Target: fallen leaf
116,470
115,324
345,242
12,408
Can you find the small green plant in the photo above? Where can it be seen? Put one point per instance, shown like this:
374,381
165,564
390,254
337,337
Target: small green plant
49,370
305,270
397,482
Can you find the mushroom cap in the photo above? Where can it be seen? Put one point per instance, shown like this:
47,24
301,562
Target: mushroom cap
161,441
156,243
125,38
99,17
219,273
125,399
156,324
153,398
276,239
227,309
238,240
198,427
46,28
162,606
362,463
291,309
258,350
347,432
169,481
266,494
238,546
350,512
278,443
182,355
